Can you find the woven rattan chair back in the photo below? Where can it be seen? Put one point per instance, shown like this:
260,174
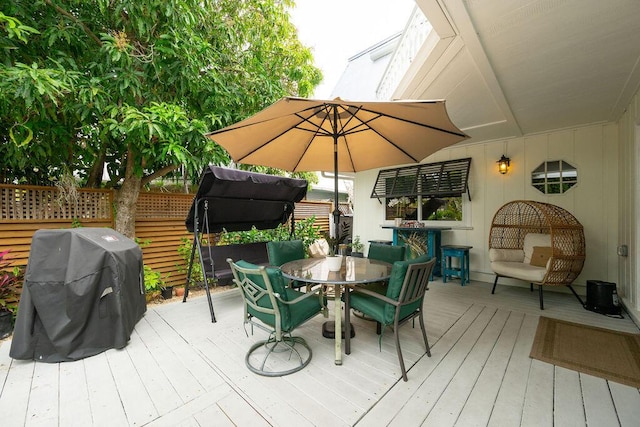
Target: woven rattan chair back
514,220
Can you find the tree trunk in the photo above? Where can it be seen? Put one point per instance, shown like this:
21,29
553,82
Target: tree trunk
94,179
126,199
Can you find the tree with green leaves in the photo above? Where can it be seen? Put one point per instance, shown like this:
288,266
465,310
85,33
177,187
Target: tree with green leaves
130,86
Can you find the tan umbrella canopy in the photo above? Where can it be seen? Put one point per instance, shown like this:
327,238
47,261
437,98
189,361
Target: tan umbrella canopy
298,134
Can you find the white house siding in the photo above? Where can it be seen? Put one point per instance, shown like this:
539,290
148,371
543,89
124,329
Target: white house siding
628,205
593,150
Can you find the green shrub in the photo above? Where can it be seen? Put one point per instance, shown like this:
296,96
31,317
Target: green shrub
196,270
10,285
305,230
153,281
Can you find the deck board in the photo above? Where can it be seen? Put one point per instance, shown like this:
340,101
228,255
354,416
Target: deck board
75,408
568,407
478,407
180,369
627,403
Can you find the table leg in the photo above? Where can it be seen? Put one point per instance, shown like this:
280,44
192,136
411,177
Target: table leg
347,321
338,324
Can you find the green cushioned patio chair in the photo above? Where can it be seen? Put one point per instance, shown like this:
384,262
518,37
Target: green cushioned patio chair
281,252
401,303
279,309
386,253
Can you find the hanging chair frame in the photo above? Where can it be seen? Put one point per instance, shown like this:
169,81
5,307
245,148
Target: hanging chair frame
514,220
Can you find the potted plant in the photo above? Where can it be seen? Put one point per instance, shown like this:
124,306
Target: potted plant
154,285
334,260
356,247
10,290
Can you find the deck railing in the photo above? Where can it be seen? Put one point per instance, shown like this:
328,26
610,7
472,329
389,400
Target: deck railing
414,35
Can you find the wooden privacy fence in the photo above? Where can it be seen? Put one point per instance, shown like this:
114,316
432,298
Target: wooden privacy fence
160,218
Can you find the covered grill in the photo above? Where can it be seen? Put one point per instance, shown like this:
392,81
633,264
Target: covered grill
83,294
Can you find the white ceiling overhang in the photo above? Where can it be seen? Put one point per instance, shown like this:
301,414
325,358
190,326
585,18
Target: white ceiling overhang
514,67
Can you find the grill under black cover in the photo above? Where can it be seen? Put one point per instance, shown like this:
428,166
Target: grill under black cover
83,293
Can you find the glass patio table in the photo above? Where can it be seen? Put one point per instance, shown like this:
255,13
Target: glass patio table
354,271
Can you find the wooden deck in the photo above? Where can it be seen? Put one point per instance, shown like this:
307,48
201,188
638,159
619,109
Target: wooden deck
181,370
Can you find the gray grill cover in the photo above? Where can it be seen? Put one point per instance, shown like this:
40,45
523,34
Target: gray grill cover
83,294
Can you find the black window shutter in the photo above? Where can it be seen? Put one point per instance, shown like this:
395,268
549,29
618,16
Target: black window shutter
440,179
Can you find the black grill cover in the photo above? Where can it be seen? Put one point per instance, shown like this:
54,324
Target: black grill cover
239,200
83,294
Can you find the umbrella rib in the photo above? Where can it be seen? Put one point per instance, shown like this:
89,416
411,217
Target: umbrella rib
318,127
413,122
262,145
315,133
368,127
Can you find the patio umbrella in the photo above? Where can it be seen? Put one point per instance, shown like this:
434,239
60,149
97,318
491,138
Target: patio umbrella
299,134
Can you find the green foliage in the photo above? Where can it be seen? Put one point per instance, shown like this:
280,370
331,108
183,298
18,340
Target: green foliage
14,30
305,230
153,281
415,243
451,211
131,86
310,177
334,242
356,245
184,250
10,285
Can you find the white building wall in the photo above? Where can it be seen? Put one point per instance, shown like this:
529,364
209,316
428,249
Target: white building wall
593,150
629,206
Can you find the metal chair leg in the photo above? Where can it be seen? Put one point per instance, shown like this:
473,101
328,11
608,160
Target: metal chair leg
271,346
424,335
495,282
399,350
541,302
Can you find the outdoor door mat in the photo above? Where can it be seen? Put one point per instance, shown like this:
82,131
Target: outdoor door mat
604,353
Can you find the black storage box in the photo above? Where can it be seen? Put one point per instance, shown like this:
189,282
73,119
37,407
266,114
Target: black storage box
602,297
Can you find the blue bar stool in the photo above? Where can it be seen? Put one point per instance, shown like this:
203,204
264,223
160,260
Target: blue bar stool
462,254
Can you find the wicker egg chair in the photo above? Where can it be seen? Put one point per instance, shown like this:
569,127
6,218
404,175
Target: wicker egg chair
513,221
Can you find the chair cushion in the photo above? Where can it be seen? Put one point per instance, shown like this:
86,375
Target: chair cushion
281,252
386,253
512,255
302,310
398,271
372,307
534,239
519,270
381,311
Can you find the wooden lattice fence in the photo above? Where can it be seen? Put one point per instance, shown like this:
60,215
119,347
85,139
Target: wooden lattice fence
25,209
160,217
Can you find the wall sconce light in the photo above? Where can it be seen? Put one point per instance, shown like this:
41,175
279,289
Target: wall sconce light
503,164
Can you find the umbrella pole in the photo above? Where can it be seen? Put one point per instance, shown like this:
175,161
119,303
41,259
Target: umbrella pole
336,210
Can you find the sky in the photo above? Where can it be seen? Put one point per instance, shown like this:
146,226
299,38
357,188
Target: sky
336,30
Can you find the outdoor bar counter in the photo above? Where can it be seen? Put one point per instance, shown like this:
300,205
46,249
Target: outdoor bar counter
434,239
